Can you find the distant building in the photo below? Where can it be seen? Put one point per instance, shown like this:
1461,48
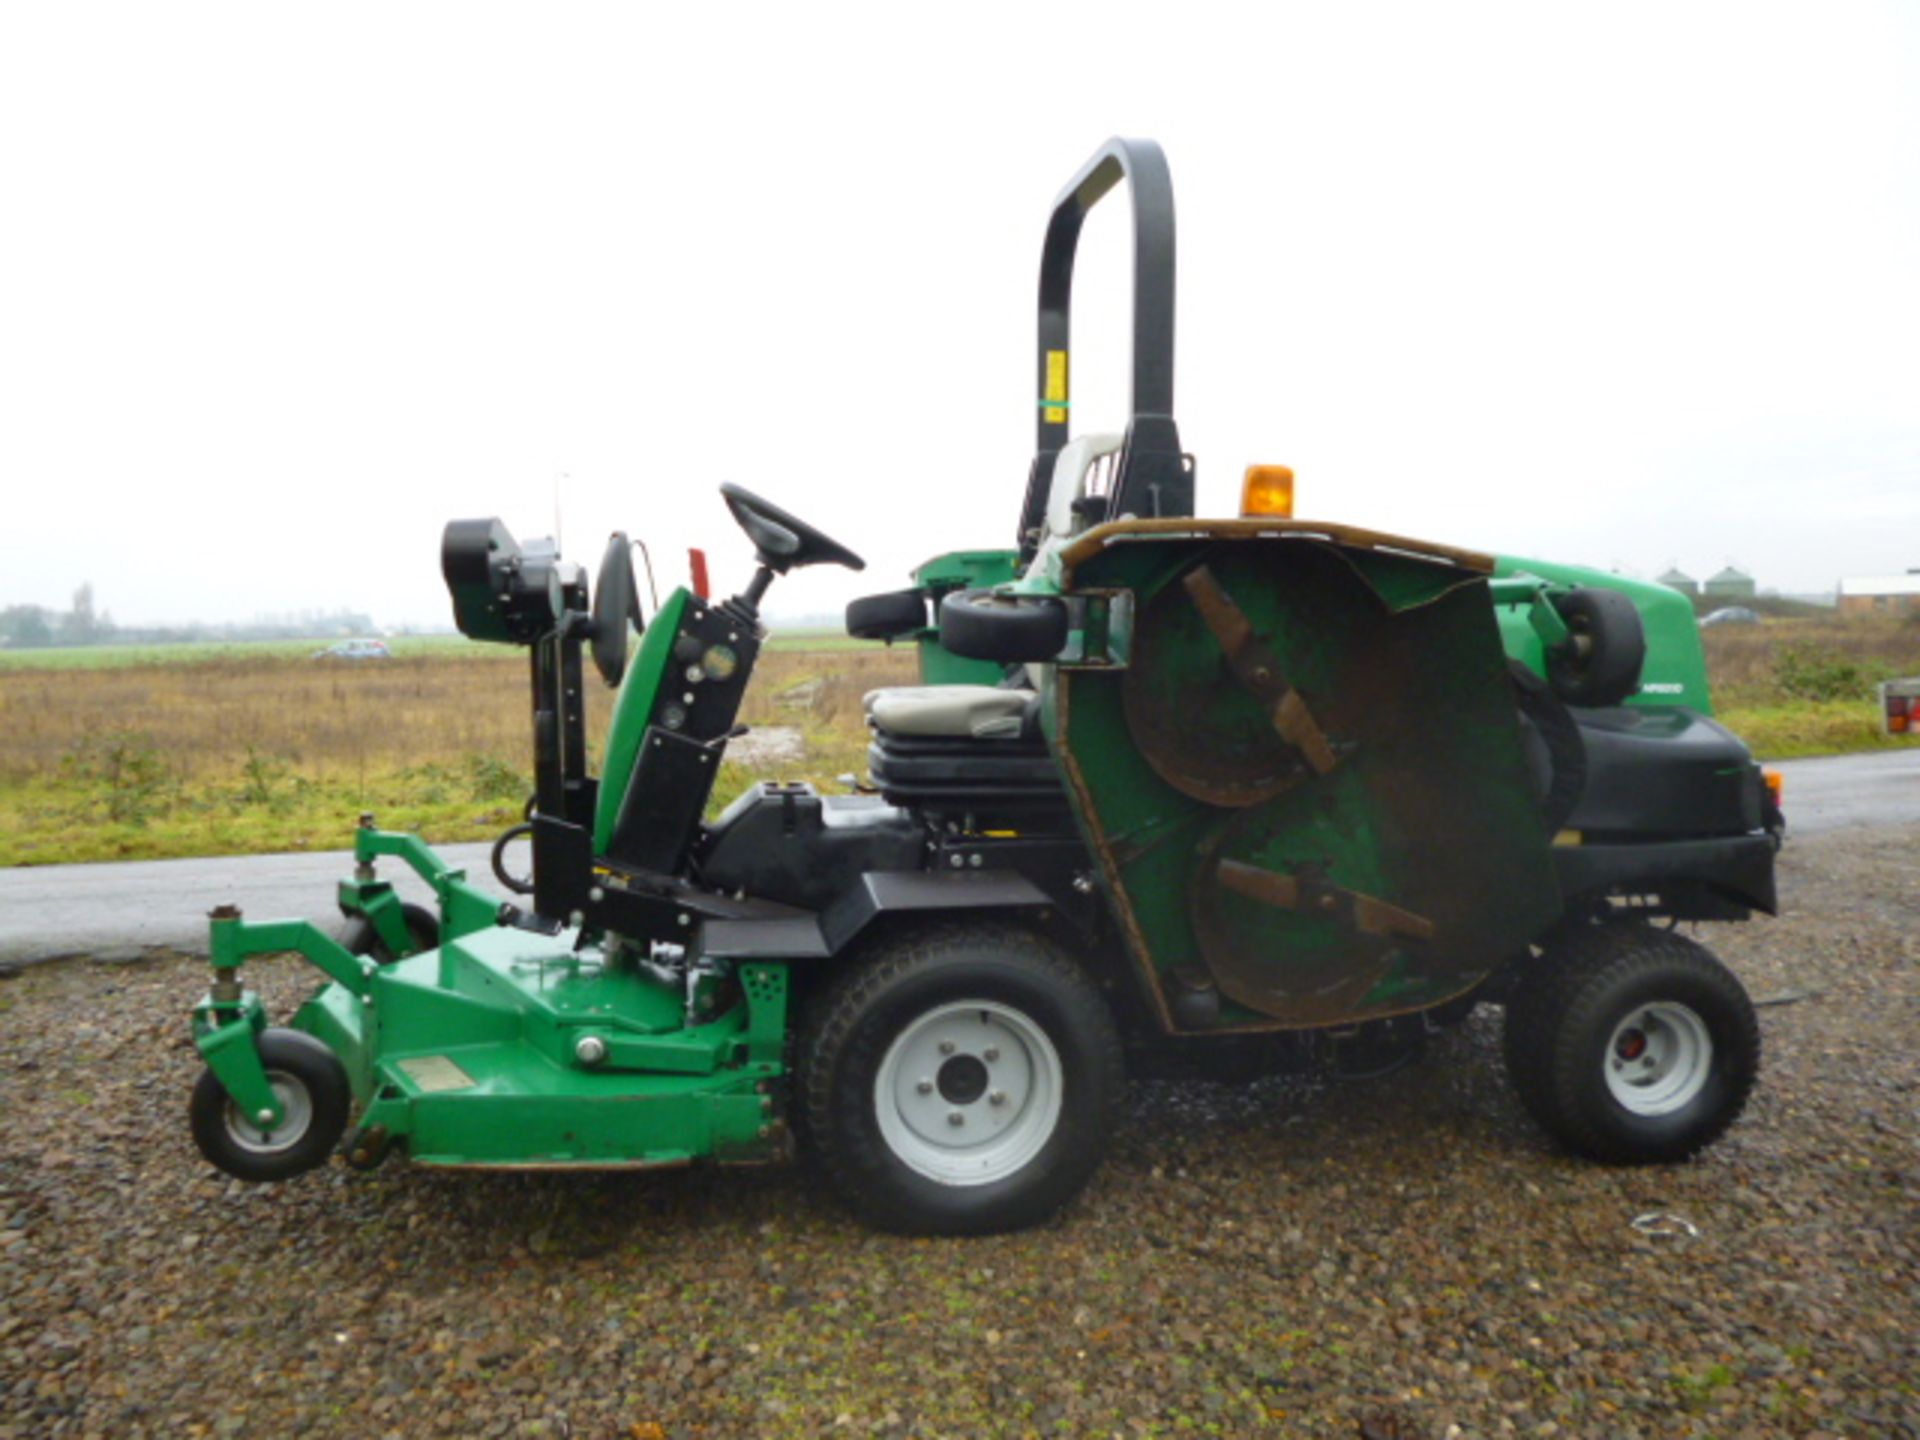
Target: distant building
1731,584
1678,579
1884,593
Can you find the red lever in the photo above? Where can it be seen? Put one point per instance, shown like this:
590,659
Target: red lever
698,560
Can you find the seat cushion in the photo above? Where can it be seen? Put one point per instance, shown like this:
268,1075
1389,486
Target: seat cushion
979,712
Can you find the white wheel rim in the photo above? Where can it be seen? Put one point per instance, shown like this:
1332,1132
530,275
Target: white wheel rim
969,1093
295,1102
1658,1058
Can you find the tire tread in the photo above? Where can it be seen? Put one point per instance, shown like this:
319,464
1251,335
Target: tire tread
828,1028
1558,997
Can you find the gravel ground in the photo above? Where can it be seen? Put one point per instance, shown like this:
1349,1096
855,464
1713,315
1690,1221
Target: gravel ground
1406,1258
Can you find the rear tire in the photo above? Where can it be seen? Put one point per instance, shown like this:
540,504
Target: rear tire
1630,1045
986,1023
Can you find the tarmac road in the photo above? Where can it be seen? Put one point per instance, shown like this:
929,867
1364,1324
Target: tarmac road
118,911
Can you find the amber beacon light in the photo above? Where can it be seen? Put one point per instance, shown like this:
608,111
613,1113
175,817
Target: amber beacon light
1267,490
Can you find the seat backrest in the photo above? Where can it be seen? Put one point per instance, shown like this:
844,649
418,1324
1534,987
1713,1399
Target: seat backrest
1075,464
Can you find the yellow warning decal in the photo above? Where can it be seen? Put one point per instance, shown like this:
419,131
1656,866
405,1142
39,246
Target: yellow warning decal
1054,402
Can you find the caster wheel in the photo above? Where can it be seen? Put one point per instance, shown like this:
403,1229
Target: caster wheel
312,1088
423,933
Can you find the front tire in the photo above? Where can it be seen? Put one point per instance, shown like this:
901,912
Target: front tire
960,1081
1631,1046
312,1088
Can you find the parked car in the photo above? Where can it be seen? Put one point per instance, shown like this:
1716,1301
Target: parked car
355,650
1731,615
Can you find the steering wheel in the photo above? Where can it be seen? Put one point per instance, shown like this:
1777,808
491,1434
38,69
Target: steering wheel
781,541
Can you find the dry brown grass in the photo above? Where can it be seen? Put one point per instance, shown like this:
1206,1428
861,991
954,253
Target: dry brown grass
332,721
1747,662
210,756
222,756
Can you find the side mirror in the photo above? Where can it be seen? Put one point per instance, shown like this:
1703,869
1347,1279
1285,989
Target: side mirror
616,605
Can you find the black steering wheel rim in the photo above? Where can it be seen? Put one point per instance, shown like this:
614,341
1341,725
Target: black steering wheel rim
782,541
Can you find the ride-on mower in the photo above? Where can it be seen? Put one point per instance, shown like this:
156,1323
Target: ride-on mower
1233,794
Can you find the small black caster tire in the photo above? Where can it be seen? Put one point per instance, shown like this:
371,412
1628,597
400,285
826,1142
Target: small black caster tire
1631,1046
312,1087
423,933
896,615
960,1081
1606,647
983,625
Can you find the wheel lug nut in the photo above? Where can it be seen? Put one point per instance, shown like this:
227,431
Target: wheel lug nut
955,1118
925,1087
990,1054
946,1047
998,1097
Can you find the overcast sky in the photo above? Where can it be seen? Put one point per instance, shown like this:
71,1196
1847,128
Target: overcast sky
285,288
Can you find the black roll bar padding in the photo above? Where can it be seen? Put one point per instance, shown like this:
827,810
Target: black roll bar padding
1156,485
1143,165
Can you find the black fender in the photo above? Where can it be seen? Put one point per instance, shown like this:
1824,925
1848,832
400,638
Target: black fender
1708,879
801,935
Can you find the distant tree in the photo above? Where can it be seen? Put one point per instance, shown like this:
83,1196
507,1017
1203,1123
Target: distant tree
25,627
77,626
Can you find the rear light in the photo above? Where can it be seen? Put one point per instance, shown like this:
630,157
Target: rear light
1900,706
1267,491
1776,786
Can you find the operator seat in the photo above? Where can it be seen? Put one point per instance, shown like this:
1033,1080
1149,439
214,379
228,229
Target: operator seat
977,749
979,712
970,750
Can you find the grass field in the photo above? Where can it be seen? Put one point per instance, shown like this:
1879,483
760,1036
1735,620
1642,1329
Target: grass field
404,647
111,754
1798,687
236,753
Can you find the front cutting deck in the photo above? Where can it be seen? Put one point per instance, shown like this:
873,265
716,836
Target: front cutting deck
469,1054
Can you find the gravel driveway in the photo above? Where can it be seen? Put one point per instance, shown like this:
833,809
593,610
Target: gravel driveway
1405,1258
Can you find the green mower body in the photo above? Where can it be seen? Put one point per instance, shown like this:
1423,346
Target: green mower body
1175,792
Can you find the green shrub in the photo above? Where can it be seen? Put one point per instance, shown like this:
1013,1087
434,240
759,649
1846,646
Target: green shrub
1821,672
263,779
127,770
491,778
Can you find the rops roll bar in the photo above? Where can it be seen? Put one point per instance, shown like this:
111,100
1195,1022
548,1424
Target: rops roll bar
1153,477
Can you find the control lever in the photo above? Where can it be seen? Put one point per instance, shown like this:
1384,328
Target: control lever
734,734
